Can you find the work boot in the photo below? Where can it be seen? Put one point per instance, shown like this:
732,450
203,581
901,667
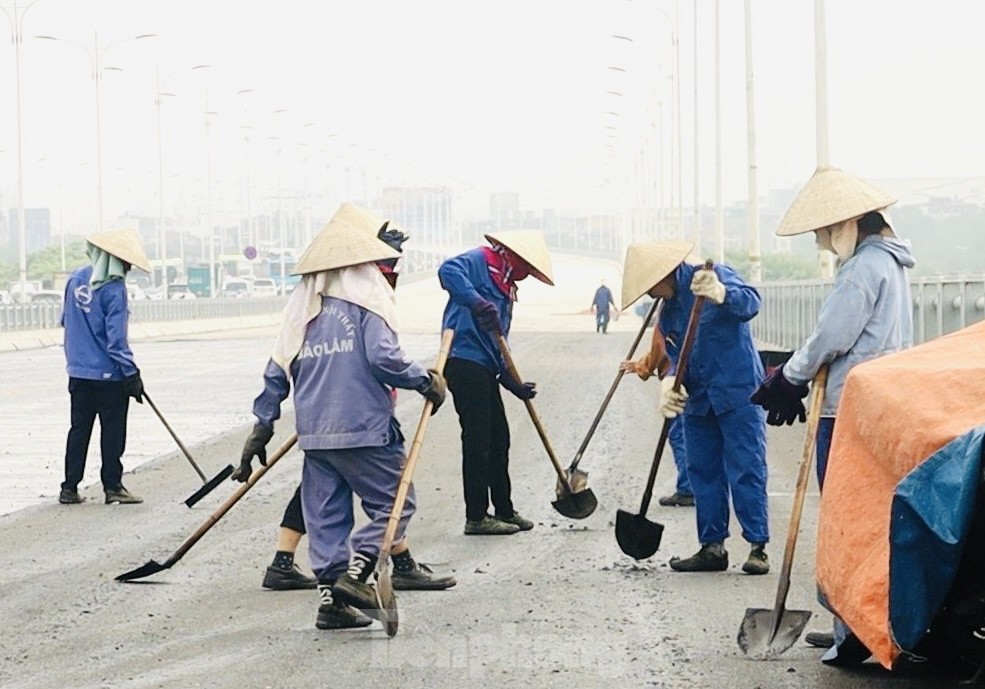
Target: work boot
711,558
516,519
334,614
122,496
353,587
676,500
70,496
290,579
410,575
820,639
758,562
489,526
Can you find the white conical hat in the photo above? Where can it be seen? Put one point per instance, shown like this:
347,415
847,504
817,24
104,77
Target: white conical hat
348,239
124,244
831,196
647,263
531,247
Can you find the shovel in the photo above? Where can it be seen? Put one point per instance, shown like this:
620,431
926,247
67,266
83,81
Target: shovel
636,535
765,634
385,598
579,479
575,501
154,567
210,485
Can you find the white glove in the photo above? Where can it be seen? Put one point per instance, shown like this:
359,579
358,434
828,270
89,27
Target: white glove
671,403
706,284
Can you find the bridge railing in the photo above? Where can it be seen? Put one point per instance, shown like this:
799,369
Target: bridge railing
940,306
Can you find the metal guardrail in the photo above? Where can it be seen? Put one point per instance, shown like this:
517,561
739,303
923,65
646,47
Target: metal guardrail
41,316
940,306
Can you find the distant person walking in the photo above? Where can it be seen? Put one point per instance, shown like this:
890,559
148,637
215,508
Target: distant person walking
600,304
102,375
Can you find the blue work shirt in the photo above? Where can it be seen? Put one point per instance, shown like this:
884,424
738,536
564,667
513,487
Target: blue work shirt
724,368
869,313
95,322
343,377
602,299
467,280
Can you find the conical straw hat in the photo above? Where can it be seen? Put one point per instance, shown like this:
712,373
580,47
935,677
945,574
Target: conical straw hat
348,239
831,196
647,264
124,244
531,247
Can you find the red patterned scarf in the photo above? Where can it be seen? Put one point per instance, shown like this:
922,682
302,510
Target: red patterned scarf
500,269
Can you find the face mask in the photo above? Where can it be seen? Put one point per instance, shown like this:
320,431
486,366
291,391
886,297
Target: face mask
839,239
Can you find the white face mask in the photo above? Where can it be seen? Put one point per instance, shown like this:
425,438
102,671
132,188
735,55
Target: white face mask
840,239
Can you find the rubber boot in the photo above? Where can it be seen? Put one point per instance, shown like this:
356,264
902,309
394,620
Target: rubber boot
712,557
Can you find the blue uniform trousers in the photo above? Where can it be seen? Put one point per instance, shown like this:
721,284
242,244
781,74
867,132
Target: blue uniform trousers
328,481
726,454
676,438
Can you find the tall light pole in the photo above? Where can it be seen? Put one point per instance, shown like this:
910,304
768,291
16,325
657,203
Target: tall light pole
752,202
208,194
280,200
825,264
17,35
162,238
697,156
251,237
95,58
719,214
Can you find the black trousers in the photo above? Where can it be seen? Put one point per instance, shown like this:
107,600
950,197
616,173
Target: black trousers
105,399
485,438
293,517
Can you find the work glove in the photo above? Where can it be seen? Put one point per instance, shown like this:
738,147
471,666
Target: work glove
705,283
436,390
133,387
672,402
781,399
486,315
255,446
522,391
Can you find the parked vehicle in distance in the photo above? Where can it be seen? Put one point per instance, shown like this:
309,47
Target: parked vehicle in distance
179,290
46,296
5,297
135,292
264,287
235,288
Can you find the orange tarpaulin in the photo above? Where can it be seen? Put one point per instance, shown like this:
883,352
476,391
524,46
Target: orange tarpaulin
894,413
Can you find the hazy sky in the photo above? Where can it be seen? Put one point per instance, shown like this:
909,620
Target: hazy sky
486,96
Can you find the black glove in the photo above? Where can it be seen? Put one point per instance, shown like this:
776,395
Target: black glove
436,390
255,446
133,387
781,399
523,391
486,315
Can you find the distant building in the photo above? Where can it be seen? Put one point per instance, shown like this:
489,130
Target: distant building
37,229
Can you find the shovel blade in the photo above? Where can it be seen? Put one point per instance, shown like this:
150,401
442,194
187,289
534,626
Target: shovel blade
386,600
757,639
144,570
576,505
636,535
210,486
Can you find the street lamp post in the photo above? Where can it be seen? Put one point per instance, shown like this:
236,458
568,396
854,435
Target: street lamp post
208,194
17,34
752,203
247,129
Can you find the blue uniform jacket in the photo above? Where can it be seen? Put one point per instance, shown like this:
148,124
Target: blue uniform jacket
95,322
724,368
343,377
466,279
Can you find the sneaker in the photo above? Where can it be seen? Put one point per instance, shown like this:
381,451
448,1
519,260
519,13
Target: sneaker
70,496
712,557
421,578
758,562
489,526
820,639
293,579
353,587
334,614
676,500
524,524
122,496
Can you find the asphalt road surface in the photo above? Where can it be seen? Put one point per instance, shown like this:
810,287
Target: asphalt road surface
559,606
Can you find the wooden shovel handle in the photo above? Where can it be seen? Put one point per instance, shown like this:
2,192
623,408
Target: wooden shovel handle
415,451
232,500
504,350
612,388
797,509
